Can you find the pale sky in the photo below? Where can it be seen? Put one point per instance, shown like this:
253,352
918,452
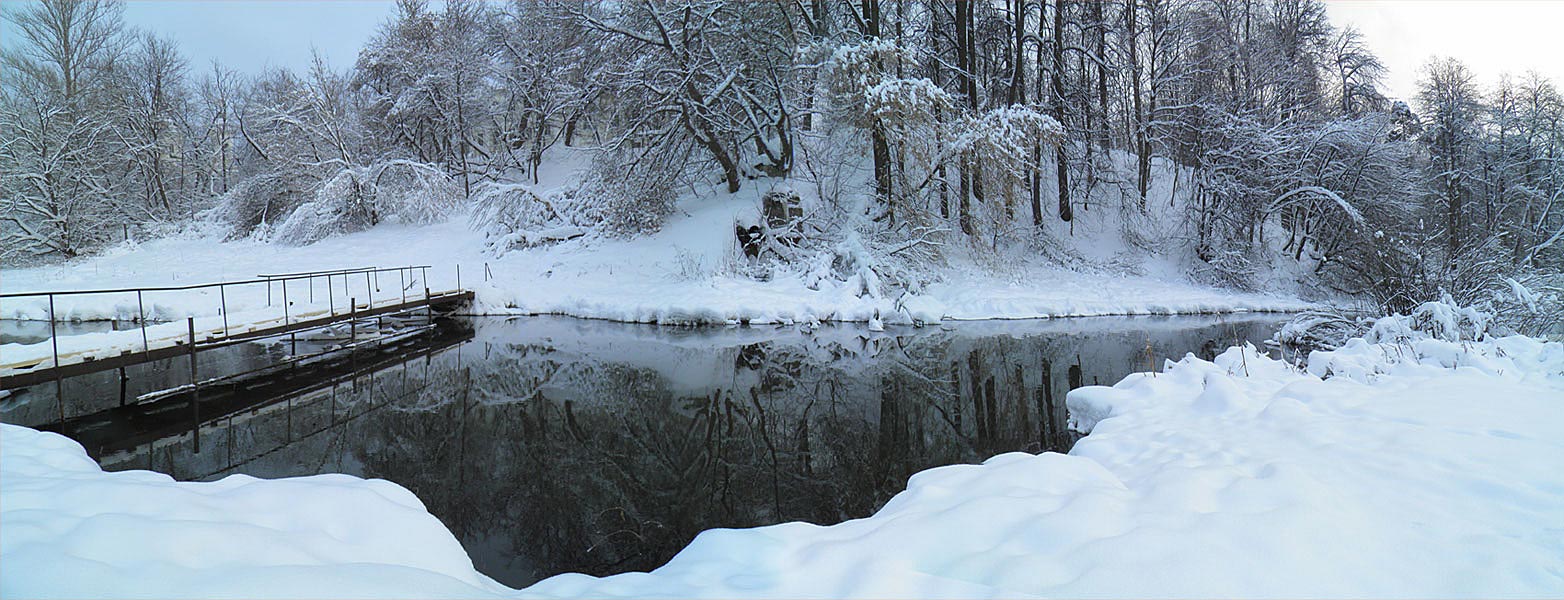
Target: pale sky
249,35
1490,36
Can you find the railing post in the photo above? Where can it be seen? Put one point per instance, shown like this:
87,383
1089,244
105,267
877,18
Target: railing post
352,320
141,317
287,319
370,289
428,305
59,384
268,292
401,276
222,294
331,297
312,289
195,385
458,276
54,337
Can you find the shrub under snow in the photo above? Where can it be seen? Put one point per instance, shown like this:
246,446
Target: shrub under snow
252,205
513,216
358,198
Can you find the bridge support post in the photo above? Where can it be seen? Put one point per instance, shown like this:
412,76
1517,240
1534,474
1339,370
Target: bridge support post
293,340
54,336
59,384
195,386
141,318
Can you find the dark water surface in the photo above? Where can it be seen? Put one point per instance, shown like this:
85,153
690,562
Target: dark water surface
32,332
553,445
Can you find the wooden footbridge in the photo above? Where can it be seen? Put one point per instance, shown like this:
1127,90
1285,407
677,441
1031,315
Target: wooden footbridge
351,295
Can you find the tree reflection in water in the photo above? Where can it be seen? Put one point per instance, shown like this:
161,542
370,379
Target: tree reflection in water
553,445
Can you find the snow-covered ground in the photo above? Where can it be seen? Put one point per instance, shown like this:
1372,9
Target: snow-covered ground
1419,468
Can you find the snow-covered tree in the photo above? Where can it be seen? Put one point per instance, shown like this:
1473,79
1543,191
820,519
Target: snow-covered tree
708,73
60,148
155,104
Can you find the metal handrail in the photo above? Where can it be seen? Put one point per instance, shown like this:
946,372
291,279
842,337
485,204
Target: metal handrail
330,272
175,288
371,284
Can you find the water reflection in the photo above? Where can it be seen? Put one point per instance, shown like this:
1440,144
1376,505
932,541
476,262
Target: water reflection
13,331
558,445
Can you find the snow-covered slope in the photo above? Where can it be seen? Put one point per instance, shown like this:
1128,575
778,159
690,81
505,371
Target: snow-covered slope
1243,477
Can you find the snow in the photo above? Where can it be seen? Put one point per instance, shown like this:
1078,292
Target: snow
74,531
1434,470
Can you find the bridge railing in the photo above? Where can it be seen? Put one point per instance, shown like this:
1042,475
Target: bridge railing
409,277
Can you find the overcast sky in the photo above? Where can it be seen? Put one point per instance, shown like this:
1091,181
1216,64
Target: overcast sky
1491,36
249,35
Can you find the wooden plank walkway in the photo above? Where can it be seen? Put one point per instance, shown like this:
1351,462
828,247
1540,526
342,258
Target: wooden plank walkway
40,370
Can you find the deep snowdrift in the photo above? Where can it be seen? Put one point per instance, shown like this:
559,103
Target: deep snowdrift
1428,469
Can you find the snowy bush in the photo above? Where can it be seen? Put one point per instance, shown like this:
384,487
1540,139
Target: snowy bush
1321,330
614,199
1446,321
413,192
632,199
251,206
1532,305
1443,320
355,199
1229,268
513,216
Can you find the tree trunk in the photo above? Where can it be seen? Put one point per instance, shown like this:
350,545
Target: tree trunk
968,87
1061,162
1142,147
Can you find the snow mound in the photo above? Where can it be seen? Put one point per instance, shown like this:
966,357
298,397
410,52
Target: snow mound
74,531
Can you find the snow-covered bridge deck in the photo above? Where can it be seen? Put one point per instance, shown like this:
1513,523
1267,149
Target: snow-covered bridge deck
82,358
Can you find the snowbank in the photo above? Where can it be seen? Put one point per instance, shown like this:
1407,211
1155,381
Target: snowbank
71,530
1427,471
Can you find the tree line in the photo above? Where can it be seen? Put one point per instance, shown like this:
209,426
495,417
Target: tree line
1256,125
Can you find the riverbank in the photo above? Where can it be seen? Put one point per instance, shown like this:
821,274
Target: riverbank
685,274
